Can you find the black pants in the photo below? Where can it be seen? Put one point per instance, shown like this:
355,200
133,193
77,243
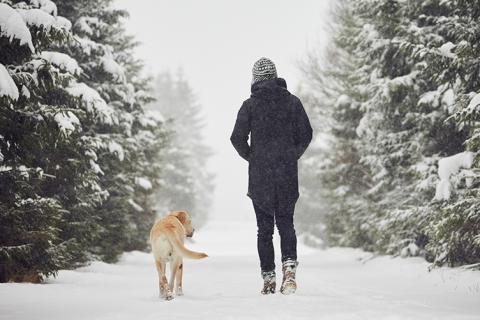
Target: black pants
282,216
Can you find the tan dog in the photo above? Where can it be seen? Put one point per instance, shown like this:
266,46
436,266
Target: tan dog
167,237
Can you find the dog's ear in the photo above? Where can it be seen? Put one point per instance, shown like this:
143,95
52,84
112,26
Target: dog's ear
182,216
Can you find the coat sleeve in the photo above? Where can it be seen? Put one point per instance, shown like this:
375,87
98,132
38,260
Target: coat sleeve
241,132
303,130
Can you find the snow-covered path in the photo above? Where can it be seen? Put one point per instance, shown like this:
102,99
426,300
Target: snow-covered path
333,284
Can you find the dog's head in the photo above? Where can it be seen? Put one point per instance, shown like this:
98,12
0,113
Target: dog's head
184,219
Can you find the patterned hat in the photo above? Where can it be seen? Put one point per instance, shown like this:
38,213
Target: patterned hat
263,69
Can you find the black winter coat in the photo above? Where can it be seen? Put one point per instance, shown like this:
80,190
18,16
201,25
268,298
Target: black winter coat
280,132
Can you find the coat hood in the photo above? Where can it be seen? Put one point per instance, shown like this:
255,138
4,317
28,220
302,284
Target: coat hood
274,89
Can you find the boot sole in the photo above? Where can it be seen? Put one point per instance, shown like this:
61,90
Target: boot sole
289,290
267,293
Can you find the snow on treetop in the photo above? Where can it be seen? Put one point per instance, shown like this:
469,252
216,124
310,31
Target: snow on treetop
93,102
144,183
5,168
41,19
23,171
96,168
449,166
369,32
67,122
25,92
448,98
117,149
135,205
442,95
144,136
83,24
342,100
91,154
446,50
127,117
112,67
429,98
45,5
8,88
365,124
151,119
404,81
12,26
474,103
87,45
155,114
62,60
64,23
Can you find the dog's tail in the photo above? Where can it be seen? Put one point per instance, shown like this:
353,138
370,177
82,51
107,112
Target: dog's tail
184,251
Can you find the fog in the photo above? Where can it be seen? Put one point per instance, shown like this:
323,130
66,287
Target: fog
215,44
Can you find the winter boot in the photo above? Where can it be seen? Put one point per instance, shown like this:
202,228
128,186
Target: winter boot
269,283
289,285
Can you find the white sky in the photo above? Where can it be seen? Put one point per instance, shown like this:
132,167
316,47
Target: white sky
216,42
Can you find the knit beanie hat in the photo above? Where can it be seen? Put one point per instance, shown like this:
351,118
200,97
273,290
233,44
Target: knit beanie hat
263,69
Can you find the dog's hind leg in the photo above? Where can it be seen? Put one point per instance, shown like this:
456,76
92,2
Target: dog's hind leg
161,274
165,291
173,272
178,280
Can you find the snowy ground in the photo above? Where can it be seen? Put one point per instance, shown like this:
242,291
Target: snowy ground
333,284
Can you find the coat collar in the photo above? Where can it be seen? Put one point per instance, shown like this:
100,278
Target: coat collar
270,89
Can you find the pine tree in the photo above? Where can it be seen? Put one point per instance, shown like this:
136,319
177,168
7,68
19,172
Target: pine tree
79,157
455,224
45,174
186,182
413,80
416,100
131,144
336,101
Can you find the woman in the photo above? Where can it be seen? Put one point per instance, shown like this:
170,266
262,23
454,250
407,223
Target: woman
280,132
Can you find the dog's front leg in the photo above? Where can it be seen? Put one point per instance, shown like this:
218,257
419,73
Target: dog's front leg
165,291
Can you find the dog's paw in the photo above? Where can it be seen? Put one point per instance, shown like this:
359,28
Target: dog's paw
167,296
179,292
